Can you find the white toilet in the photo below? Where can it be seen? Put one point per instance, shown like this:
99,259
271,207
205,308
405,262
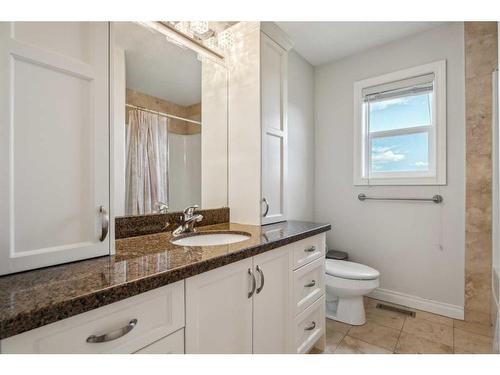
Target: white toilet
346,284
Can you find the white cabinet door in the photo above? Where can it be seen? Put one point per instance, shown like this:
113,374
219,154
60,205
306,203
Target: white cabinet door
274,138
219,310
172,344
54,142
271,306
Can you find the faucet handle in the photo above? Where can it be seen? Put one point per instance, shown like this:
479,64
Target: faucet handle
161,207
188,211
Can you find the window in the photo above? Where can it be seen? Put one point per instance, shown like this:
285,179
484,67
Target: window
400,127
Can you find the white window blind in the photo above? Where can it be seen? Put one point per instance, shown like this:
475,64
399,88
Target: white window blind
406,87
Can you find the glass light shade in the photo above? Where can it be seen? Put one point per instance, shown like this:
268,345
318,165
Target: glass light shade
198,27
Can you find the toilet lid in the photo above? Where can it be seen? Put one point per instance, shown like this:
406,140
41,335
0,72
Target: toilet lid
350,270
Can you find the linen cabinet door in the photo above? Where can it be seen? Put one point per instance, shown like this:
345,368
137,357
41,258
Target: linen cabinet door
219,310
54,143
274,138
271,306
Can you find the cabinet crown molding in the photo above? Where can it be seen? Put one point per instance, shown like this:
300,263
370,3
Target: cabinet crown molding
274,32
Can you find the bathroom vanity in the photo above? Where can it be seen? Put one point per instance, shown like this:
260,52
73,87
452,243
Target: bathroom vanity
261,295
98,192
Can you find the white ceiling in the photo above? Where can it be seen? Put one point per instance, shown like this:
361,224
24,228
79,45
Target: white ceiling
157,67
322,42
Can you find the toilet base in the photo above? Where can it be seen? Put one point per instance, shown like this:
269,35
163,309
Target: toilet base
350,310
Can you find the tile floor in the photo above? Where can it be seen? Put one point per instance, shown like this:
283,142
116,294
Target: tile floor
387,332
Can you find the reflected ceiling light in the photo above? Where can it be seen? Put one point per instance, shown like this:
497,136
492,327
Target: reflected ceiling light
225,40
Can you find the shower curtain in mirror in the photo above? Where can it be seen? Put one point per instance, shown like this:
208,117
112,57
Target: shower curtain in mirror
147,162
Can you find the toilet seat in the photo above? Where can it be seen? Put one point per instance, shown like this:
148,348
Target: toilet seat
350,270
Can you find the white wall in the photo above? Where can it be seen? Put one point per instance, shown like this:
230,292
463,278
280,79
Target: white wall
417,247
300,177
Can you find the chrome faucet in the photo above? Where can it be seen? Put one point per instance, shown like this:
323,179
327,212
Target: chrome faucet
188,219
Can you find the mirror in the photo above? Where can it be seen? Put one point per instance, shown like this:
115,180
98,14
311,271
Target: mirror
169,126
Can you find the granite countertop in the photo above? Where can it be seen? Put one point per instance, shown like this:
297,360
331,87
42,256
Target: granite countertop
34,298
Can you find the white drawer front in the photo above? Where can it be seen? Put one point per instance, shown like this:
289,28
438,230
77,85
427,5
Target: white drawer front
158,312
308,284
307,250
172,344
309,326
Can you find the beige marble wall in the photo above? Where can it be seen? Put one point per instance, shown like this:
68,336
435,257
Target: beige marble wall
480,62
192,112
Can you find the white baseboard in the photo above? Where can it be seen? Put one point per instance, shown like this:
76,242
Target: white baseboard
496,314
440,308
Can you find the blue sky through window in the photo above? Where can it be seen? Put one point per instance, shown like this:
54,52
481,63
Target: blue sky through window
399,113
400,153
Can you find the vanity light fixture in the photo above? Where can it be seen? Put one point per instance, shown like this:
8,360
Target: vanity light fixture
179,37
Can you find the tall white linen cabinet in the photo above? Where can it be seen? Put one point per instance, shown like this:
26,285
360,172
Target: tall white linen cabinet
257,123
54,143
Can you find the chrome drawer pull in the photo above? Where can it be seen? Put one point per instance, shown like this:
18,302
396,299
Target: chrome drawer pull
310,249
113,335
105,223
267,207
311,284
259,270
254,283
311,327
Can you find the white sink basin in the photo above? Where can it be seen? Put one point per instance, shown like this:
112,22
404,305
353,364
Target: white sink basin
211,239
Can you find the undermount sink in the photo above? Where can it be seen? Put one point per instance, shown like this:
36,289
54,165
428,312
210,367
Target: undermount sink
211,239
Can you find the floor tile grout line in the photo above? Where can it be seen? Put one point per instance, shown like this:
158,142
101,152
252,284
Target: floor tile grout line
340,342
453,339
366,342
399,336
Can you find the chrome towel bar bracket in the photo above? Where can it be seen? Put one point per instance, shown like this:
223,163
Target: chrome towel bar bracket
436,198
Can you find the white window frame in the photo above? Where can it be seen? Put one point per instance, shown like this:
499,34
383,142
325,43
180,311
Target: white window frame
436,132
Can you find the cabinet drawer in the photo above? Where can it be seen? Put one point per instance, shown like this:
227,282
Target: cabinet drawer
309,326
307,250
158,313
172,344
308,284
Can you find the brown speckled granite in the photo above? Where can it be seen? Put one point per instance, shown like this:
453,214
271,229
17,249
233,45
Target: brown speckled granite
32,299
131,226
